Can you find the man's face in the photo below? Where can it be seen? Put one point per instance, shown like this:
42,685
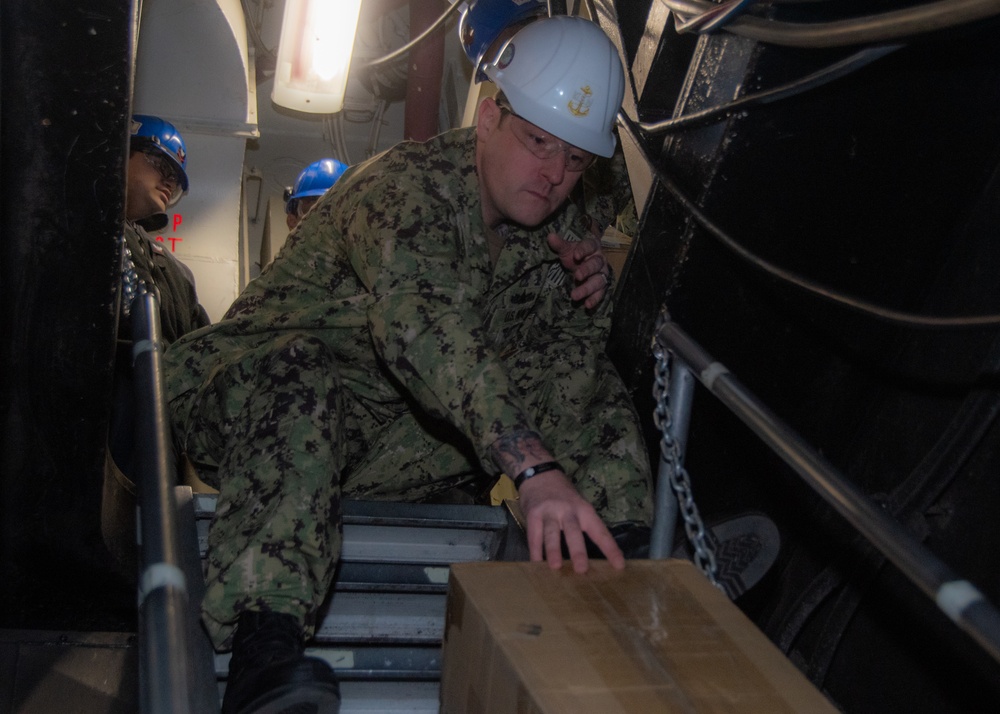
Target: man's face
302,206
517,184
150,186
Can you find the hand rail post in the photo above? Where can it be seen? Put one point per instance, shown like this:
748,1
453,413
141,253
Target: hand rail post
666,507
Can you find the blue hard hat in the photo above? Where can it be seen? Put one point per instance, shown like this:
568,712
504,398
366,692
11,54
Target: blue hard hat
152,134
314,180
482,23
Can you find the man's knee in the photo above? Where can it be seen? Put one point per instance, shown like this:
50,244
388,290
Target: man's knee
255,401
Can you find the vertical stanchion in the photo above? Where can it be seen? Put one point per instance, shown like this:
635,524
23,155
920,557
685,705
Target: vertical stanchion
163,595
681,395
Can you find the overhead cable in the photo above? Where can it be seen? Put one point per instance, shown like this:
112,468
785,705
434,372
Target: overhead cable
895,25
714,19
868,308
452,9
810,81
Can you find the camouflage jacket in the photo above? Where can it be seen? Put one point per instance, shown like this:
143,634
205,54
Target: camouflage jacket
180,311
391,270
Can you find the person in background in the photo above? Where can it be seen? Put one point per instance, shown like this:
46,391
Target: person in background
312,183
156,180
427,325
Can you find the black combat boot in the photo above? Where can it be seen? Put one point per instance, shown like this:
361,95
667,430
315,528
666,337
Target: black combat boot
270,674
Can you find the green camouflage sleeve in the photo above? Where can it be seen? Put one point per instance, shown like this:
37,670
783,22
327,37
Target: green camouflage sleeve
426,263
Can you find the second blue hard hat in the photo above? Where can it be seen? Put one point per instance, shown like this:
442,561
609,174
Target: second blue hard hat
314,180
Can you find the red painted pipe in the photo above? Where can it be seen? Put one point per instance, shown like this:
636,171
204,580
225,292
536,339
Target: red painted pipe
426,67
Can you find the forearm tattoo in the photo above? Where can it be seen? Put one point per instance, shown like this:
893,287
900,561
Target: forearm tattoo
512,450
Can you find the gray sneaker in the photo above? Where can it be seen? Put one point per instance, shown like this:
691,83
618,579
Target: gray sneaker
746,547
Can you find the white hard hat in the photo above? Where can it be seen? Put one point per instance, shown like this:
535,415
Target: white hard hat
563,75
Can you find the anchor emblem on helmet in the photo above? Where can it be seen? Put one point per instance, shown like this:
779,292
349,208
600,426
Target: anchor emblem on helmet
579,105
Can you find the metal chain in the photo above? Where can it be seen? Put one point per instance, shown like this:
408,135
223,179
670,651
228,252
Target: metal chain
132,285
680,482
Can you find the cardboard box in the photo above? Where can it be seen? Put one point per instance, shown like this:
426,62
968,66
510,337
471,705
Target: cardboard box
656,637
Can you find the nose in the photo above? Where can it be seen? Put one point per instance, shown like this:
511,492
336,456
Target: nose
169,180
554,168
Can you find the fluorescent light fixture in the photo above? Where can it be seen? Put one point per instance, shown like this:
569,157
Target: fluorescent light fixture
314,54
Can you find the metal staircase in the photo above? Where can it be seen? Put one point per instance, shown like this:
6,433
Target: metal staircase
383,624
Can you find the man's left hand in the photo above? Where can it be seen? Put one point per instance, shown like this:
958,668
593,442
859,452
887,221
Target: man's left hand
586,262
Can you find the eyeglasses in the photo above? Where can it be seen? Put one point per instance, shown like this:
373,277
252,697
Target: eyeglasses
303,205
168,172
544,146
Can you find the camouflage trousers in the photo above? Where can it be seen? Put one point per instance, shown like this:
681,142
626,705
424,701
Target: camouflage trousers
283,440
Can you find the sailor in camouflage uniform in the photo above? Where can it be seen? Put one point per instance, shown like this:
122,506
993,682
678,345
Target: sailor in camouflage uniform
413,336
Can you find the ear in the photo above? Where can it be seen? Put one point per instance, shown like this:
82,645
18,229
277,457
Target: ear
488,119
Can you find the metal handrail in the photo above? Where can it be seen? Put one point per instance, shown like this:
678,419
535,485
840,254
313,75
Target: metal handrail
956,597
163,592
